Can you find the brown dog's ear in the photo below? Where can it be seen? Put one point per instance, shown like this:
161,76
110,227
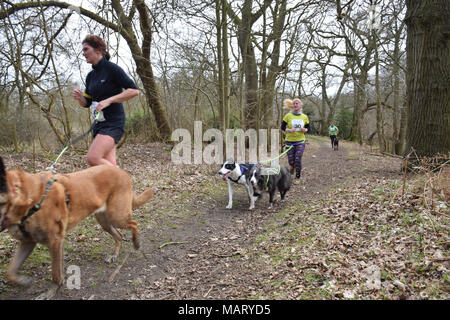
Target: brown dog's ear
3,185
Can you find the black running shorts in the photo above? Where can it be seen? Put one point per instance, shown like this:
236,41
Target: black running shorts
114,132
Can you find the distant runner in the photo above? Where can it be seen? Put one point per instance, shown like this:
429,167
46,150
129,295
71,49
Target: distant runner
333,133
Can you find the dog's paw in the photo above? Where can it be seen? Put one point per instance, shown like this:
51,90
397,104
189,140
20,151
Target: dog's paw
270,206
24,281
230,206
251,208
20,280
50,294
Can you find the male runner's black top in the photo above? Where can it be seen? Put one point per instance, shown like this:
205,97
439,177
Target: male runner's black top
106,80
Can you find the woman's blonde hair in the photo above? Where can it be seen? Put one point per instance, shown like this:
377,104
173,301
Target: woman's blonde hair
288,103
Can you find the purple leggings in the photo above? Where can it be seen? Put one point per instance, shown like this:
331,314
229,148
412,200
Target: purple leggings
295,157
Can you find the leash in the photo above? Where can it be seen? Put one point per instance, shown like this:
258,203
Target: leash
271,171
278,157
52,167
276,170
282,154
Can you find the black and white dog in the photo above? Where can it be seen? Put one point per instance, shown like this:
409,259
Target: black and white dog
270,179
238,173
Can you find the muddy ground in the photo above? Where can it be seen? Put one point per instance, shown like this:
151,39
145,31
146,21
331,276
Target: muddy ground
318,244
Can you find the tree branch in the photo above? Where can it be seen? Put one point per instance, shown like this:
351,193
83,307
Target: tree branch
37,4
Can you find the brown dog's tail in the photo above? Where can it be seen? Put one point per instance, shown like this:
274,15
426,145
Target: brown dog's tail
139,200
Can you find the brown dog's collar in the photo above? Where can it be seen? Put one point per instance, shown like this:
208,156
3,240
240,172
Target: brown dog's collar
36,207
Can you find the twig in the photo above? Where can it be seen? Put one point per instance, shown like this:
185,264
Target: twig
169,244
404,175
204,296
227,255
431,220
143,254
392,155
374,154
384,154
113,275
442,213
441,259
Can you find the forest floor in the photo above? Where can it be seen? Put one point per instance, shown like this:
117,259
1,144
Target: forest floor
351,230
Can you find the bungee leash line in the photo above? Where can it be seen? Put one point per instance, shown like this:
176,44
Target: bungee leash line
273,170
279,156
282,154
52,167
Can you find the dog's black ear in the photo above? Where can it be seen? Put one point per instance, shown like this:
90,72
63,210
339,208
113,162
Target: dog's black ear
3,186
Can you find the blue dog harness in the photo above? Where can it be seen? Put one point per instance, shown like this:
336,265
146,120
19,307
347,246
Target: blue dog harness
245,170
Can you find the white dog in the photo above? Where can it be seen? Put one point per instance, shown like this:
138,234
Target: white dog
238,173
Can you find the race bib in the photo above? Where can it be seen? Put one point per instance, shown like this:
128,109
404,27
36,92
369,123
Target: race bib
297,124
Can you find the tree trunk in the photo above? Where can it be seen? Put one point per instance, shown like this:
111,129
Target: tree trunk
360,100
323,112
142,59
250,67
396,87
226,65
428,74
380,126
401,146
220,84
274,67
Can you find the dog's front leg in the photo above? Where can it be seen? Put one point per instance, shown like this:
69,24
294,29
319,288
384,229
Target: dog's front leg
282,195
22,253
230,195
250,196
56,252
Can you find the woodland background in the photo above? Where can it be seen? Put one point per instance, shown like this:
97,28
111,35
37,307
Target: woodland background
358,227
231,64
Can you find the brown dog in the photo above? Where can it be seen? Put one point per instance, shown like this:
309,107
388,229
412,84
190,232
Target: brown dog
42,208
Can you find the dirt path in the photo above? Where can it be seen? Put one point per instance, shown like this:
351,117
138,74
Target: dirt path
191,246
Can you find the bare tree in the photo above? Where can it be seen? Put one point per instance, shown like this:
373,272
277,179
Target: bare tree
359,48
392,47
139,41
244,24
223,67
30,58
324,51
